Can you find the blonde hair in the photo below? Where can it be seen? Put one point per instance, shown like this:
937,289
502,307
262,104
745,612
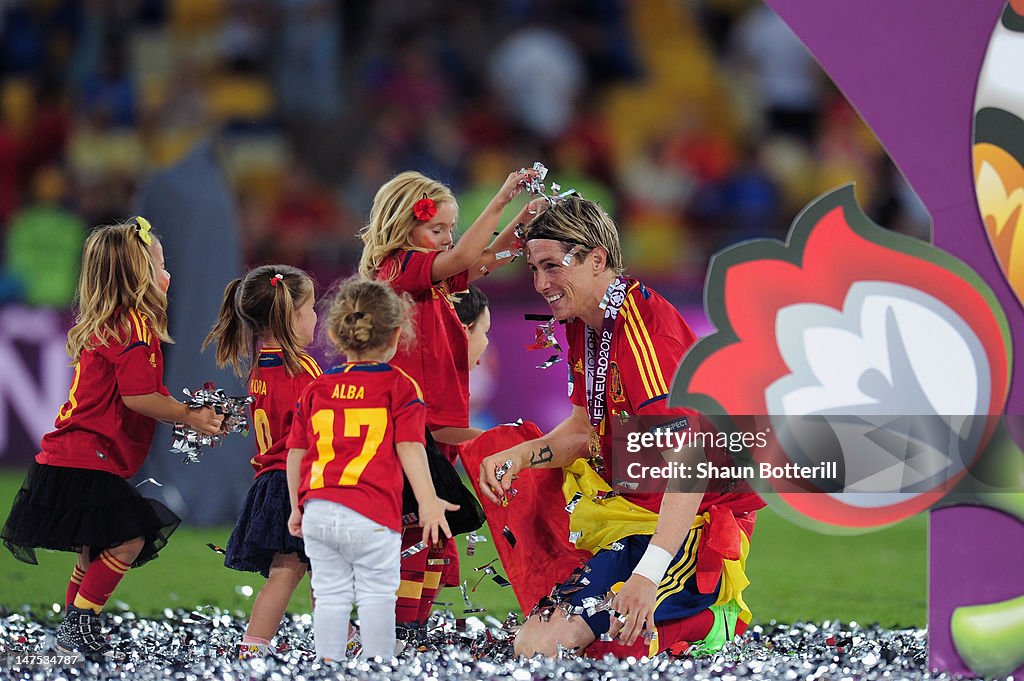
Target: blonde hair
118,275
392,219
263,302
363,314
577,221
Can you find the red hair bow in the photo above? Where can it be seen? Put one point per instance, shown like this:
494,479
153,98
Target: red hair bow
424,209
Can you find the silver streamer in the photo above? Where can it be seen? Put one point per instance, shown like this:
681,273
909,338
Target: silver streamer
414,549
503,469
472,539
189,441
550,362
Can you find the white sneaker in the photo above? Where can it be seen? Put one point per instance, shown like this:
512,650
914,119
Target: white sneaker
253,651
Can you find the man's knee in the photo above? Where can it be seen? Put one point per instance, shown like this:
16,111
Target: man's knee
544,637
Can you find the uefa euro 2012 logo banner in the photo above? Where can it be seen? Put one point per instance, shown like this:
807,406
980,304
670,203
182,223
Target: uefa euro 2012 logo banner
884,361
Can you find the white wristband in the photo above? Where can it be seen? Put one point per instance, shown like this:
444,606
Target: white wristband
654,563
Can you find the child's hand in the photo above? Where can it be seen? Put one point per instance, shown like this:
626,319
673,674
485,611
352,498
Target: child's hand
295,523
514,185
531,210
432,519
205,420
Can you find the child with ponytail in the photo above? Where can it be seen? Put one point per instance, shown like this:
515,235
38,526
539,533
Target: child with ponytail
266,322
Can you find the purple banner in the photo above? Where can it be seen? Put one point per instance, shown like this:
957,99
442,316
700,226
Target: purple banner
974,562
34,378
911,70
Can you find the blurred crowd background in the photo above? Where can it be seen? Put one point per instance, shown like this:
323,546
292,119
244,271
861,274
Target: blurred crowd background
695,123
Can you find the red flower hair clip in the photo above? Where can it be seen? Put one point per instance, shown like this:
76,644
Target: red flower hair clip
424,209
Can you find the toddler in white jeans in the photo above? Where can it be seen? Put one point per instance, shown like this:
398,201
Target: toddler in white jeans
356,429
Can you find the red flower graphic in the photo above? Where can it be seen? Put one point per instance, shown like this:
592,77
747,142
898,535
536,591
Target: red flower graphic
853,324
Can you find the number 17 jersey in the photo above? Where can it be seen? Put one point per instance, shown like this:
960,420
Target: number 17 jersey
348,420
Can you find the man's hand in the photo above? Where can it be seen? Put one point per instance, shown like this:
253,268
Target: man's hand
490,486
635,600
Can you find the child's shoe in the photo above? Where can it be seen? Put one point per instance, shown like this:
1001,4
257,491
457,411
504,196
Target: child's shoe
80,634
253,651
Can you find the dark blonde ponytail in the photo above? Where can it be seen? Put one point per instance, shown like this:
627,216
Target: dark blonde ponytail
231,334
263,303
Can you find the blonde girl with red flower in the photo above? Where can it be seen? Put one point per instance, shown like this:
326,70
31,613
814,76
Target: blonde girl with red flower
409,243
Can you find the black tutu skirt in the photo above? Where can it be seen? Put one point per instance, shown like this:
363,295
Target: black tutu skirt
262,527
448,486
64,509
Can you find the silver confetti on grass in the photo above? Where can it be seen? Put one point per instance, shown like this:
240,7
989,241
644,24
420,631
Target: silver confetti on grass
201,645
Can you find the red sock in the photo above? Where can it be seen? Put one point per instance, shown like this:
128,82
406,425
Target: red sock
678,634
431,580
407,607
99,582
76,582
450,574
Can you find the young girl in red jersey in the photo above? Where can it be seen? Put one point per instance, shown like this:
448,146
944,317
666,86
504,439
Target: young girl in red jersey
474,312
442,567
76,496
356,429
266,321
408,242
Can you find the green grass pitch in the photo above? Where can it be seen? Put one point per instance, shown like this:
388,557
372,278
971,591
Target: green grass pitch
795,575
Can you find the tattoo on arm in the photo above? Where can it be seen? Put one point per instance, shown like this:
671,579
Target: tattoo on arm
543,456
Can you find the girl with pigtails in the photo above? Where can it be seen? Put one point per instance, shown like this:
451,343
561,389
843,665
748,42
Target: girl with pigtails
266,321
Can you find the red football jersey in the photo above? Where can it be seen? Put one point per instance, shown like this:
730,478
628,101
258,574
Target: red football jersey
275,393
439,358
649,340
348,421
94,428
